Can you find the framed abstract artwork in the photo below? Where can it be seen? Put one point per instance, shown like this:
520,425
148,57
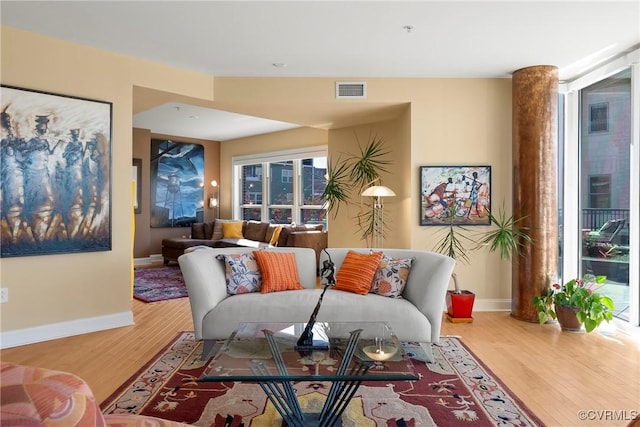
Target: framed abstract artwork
458,193
55,173
136,176
177,183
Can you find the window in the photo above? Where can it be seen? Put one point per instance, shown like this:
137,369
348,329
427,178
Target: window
251,193
600,191
599,117
253,172
280,208
601,124
289,192
605,163
314,180
287,176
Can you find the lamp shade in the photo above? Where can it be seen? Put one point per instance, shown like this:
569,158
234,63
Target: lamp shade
378,191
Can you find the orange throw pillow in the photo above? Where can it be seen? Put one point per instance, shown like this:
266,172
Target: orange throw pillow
357,271
279,271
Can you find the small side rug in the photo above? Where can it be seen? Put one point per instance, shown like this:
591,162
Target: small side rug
457,389
151,284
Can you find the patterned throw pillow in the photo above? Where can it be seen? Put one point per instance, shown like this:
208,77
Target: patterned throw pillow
356,272
242,273
391,276
279,271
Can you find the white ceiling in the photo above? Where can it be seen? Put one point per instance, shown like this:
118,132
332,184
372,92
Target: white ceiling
338,39
204,123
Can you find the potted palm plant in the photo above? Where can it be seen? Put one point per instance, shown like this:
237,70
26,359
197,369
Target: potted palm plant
350,175
506,235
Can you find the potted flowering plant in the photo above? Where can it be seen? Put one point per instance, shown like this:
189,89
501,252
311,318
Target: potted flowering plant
576,301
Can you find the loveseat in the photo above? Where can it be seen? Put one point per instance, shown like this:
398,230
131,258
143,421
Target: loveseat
415,316
34,396
254,234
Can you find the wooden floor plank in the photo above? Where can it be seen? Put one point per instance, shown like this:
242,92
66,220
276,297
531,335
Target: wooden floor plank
557,374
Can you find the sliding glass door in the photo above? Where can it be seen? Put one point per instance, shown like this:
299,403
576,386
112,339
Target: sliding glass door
605,118
600,178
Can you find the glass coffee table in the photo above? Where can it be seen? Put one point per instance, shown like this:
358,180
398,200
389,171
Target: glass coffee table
347,354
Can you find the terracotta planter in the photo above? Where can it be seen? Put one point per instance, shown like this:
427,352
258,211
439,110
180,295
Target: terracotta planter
567,318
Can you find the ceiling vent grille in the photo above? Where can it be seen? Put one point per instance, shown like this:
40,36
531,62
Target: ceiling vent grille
351,90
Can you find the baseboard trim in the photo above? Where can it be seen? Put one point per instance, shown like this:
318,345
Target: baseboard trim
152,259
492,305
64,329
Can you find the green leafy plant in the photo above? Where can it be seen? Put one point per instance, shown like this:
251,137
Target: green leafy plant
506,235
347,177
592,307
336,192
369,163
452,242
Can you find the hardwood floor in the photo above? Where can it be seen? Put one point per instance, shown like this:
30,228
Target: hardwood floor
557,374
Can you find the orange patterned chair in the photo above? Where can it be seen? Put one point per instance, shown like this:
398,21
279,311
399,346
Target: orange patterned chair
31,396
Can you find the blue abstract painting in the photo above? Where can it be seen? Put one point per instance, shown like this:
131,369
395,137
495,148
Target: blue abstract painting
177,178
56,173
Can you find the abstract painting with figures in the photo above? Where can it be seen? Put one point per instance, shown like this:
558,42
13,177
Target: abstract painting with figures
458,194
56,173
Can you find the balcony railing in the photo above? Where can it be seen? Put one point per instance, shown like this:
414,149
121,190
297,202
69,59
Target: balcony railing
594,218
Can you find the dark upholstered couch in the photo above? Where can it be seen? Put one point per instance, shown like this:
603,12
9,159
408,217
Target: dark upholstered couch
254,235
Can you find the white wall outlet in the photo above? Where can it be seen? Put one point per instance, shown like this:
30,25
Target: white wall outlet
4,295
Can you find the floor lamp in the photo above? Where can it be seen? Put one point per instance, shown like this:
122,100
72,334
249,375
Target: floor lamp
214,200
378,192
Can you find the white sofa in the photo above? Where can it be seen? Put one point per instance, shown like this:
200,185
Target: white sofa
417,316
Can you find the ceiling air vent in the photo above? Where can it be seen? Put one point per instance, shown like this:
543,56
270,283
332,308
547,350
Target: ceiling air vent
351,90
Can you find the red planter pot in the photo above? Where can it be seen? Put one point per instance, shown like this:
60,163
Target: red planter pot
460,305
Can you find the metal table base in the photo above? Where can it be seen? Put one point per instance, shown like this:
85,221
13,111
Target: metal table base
283,396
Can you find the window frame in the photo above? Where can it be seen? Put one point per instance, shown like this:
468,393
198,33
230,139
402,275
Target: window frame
571,169
265,159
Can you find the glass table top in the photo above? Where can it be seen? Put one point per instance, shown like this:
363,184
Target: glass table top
353,351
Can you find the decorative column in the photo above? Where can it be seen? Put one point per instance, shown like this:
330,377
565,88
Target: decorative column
535,161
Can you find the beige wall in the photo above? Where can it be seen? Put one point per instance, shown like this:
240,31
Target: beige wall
148,241
465,122
54,289
434,121
141,150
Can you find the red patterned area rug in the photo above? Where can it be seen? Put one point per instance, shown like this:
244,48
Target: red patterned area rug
458,389
151,284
